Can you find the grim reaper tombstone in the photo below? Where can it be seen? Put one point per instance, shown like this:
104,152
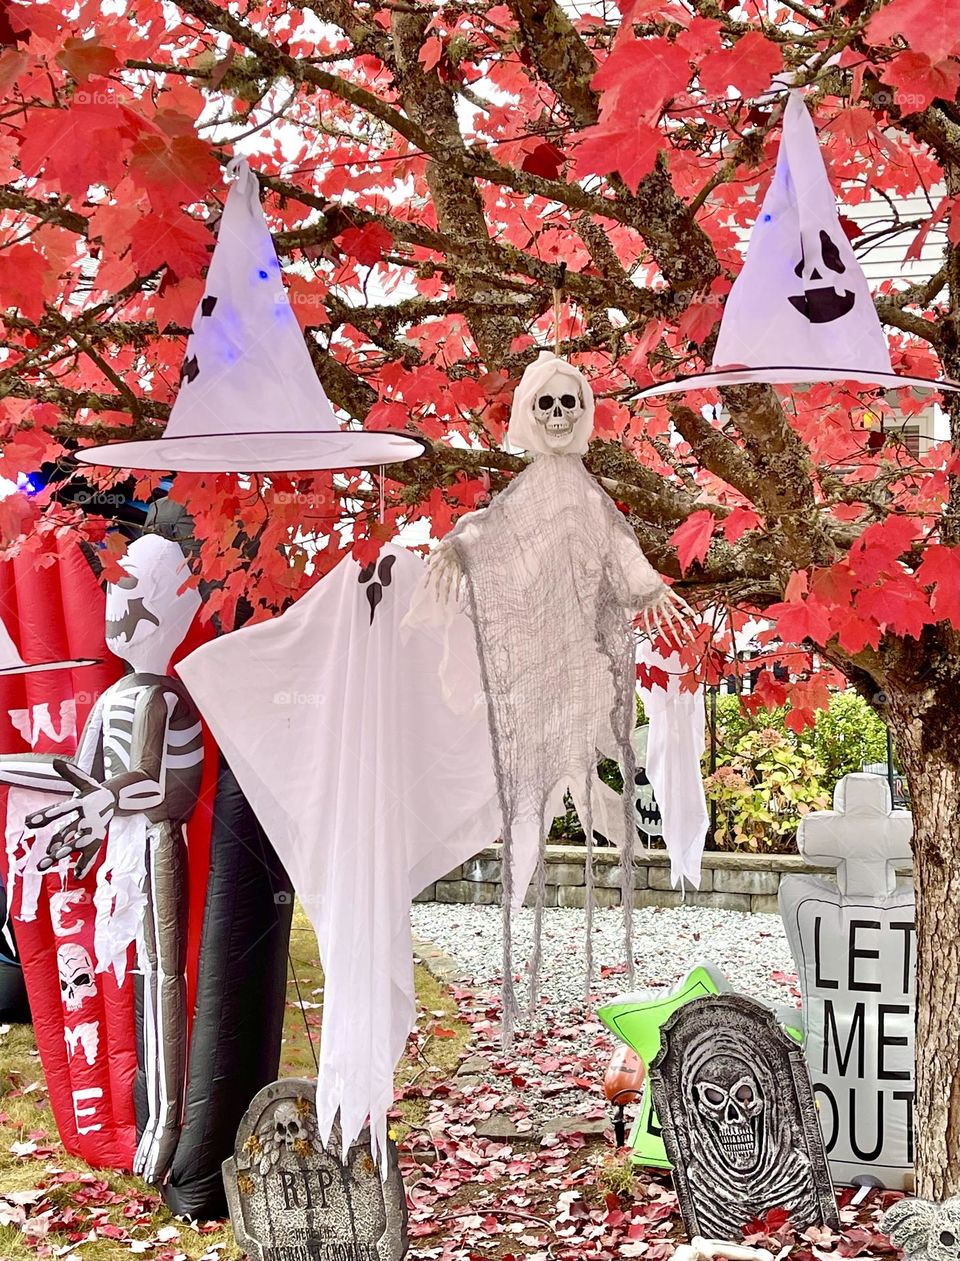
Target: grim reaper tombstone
551,576
739,1120
133,784
291,1198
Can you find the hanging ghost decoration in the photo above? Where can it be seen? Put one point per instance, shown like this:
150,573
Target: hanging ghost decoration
801,310
130,789
551,575
371,782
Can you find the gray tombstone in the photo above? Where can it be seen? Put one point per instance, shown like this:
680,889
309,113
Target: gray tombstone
290,1199
739,1120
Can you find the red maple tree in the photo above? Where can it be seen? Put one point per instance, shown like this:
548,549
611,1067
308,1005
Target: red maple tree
427,168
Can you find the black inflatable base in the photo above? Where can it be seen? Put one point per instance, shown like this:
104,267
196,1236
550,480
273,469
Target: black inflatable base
241,996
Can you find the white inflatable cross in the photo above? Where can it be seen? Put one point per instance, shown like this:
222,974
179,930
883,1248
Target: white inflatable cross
861,836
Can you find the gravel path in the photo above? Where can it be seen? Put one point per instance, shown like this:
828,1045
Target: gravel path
751,950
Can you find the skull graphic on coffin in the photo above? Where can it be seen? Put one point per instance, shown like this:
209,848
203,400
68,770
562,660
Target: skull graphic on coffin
821,302
77,979
731,1104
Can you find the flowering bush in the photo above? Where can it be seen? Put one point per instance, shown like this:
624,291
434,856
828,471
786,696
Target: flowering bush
763,788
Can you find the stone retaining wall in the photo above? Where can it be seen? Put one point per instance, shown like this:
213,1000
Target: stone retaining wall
730,881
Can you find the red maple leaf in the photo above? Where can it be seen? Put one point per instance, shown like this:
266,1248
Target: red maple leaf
927,26
631,151
84,58
919,81
738,523
748,65
646,73
367,244
692,538
940,569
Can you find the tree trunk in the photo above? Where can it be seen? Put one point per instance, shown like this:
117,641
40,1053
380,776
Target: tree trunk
927,734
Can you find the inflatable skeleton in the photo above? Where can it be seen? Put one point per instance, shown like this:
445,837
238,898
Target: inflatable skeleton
551,575
133,784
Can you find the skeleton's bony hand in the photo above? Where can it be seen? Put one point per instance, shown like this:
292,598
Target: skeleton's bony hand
670,617
86,818
444,572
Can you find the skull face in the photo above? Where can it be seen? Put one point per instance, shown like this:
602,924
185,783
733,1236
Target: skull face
77,981
557,407
288,1127
552,409
150,609
728,1097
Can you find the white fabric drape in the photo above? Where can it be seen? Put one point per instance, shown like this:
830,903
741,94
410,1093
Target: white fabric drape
370,786
674,747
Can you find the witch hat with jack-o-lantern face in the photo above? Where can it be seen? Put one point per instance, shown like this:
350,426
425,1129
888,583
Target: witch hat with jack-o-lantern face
250,400
800,311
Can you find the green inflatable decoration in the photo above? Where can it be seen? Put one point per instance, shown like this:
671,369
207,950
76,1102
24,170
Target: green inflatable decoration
637,1020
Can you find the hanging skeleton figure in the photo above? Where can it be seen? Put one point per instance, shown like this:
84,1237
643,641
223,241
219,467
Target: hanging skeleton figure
134,783
551,575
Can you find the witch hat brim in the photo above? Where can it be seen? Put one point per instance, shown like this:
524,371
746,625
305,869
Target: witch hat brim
273,451
250,398
716,378
23,668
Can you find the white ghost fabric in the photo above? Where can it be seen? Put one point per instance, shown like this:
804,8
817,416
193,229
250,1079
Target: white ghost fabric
369,784
675,744
801,309
551,575
250,399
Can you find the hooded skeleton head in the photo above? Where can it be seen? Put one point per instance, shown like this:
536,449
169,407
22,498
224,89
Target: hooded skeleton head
730,1100
552,411
149,610
77,981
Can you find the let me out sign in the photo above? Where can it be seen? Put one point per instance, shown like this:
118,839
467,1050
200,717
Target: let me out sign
854,946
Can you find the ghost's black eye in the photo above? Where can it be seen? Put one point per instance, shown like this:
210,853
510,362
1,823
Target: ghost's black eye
545,400
127,583
568,400
947,1239
830,253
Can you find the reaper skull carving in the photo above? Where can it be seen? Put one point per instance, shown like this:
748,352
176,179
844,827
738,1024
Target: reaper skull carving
730,1100
77,982
558,407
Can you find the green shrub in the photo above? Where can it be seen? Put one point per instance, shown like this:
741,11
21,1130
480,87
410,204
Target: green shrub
761,789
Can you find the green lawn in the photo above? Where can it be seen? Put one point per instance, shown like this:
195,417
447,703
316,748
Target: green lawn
92,1199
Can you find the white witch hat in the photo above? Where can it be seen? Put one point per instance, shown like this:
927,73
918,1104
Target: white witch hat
250,400
12,663
800,310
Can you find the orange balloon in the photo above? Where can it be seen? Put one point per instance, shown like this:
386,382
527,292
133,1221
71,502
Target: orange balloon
623,1080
